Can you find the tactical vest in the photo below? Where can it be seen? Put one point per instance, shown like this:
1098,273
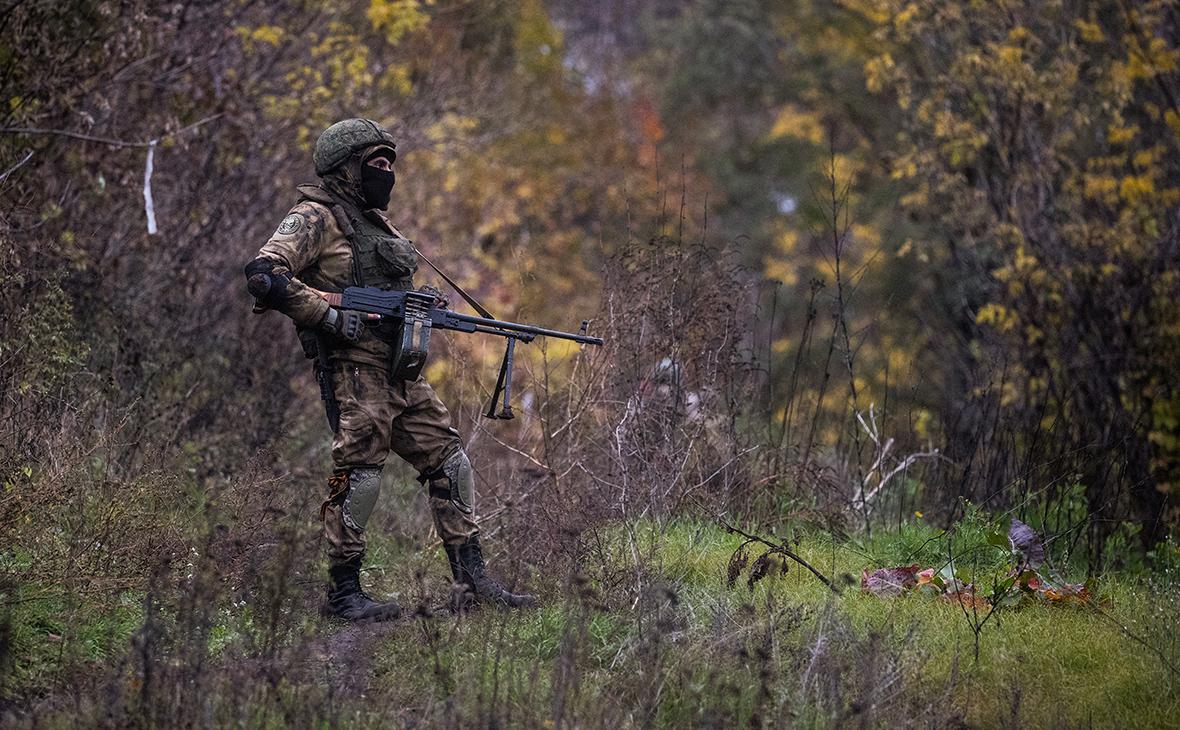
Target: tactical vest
381,257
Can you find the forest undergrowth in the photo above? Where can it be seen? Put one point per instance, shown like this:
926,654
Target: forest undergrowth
146,601
885,431
651,634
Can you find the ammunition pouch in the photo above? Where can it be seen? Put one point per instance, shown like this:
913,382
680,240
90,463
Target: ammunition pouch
411,338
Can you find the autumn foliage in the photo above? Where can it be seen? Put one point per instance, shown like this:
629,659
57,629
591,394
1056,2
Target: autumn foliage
858,264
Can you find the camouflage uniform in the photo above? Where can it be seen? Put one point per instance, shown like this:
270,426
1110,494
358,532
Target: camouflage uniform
328,241
377,415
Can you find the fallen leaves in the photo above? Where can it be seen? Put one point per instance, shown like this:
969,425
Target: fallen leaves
1029,579
889,581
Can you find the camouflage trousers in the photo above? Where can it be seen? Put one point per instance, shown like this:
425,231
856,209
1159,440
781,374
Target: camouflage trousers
376,417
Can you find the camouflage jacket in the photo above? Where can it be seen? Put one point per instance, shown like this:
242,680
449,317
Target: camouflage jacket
311,246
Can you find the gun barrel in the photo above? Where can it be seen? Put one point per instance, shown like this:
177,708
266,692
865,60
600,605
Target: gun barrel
526,329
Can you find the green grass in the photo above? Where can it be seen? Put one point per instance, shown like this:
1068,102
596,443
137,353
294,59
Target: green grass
1054,664
54,631
649,633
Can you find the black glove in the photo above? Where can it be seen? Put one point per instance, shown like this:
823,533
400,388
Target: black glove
345,323
268,286
440,299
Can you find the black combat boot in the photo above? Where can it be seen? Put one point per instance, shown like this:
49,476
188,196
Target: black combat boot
346,600
478,587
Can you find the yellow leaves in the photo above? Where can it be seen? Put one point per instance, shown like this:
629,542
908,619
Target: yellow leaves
787,242
904,167
451,127
1089,31
561,349
961,139
339,73
1144,159
915,199
797,123
395,18
397,78
876,12
865,237
1172,119
1136,189
781,269
879,72
1100,187
924,423
555,135
1154,59
1120,134
997,316
270,35
780,264
845,169
1033,335
1019,35
904,19
1012,55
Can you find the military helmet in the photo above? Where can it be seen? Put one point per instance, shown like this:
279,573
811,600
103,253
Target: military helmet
338,142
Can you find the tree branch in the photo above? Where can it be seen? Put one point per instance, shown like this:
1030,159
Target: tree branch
781,550
38,131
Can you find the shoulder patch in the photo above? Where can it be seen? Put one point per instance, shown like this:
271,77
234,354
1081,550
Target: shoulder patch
291,224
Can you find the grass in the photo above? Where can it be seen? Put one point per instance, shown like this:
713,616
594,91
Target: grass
1042,664
650,634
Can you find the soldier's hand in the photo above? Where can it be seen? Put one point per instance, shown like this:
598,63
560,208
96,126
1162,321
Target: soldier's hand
346,323
440,299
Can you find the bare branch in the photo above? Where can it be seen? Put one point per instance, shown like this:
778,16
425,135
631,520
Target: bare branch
28,156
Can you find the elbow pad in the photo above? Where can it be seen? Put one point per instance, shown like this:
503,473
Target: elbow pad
268,286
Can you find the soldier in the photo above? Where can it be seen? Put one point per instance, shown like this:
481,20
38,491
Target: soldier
337,236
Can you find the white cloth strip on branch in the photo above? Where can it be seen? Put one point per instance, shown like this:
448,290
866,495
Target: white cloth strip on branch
148,206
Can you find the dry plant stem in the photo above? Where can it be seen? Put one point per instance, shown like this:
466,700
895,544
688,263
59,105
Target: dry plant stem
867,495
28,156
781,550
838,203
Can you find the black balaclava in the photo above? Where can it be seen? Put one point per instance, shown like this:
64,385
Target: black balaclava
350,180
377,184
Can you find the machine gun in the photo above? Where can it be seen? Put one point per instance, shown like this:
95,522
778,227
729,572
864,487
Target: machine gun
407,317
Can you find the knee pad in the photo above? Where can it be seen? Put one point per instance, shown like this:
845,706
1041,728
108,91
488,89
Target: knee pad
364,484
454,481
